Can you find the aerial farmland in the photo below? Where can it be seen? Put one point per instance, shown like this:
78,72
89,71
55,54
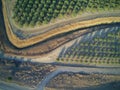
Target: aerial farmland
59,44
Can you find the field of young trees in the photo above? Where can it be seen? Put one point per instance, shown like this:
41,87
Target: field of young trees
37,12
99,47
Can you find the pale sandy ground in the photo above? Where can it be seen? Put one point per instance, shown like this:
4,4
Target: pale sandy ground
51,57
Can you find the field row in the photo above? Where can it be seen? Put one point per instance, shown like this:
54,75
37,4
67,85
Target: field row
36,12
97,46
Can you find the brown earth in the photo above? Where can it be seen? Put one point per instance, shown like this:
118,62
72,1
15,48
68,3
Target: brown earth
77,81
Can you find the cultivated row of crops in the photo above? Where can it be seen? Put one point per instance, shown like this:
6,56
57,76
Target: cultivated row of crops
36,12
101,46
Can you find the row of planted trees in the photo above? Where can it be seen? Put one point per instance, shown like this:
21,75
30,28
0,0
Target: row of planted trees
96,50
32,12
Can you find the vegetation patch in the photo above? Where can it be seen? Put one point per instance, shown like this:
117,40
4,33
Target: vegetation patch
16,41
27,73
99,47
36,12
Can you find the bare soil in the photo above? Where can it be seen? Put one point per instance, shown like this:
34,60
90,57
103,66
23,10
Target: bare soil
72,81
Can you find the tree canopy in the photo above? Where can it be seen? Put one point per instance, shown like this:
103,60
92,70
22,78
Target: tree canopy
32,12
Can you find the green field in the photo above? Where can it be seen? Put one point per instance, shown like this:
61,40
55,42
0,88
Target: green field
99,47
37,12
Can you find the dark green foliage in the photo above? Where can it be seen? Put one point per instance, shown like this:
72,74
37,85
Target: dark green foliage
30,12
9,78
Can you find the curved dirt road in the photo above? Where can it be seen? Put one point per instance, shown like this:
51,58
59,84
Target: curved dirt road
60,69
